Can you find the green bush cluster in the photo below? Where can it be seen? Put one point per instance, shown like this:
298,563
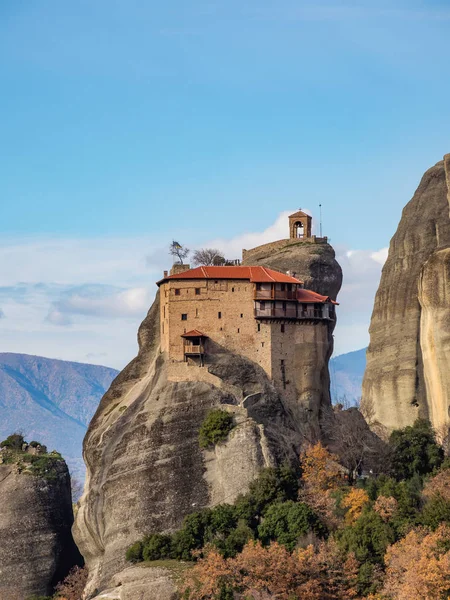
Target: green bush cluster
40,465
272,511
13,442
266,511
215,428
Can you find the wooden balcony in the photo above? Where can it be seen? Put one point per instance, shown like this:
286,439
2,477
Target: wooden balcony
191,349
273,312
275,294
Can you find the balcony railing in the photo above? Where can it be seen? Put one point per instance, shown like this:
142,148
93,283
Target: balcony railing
275,295
272,312
194,349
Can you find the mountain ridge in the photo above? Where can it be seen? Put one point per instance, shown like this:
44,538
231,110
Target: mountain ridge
51,400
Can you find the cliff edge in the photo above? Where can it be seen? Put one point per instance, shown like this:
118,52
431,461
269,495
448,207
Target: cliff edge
36,545
408,362
145,468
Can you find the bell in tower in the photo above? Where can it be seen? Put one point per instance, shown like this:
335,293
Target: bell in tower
300,225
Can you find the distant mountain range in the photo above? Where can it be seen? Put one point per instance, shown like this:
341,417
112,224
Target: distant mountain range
51,401
346,374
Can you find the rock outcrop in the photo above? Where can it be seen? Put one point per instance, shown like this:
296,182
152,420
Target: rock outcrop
314,263
408,366
36,545
145,469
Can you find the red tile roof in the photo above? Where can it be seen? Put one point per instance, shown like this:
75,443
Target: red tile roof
253,274
193,333
307,296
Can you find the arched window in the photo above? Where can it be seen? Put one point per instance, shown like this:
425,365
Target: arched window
299,229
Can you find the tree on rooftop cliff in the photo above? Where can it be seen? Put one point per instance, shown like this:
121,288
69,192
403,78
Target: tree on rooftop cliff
178,251
208,257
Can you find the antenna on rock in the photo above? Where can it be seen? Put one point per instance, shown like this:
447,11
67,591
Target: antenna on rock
320,212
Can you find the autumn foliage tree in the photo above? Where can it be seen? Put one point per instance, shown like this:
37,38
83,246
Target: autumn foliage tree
354,502
418,566
72,587
274,572
321,476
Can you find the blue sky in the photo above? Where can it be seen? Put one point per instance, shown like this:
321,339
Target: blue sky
126,123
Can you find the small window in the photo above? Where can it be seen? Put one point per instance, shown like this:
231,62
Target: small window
184,317
177,291
232,289
164,311
262,306
284,306
196,312
282,287
282,362
282,329
219,315
262,344
239,331
259,326
163,327
197,291
258,287
216,282
242,315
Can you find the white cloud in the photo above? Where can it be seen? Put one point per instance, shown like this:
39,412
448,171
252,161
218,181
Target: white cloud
95,303
84,299
277,231
362,271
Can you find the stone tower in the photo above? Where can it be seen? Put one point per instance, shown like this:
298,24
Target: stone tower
300,225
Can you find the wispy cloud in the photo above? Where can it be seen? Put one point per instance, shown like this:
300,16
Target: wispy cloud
84,299
101,302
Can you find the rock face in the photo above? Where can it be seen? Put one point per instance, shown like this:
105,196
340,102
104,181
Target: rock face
36,545
408,366
315,264
145,469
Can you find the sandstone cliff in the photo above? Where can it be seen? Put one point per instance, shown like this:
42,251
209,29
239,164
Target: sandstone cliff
315,264
36,545
145,468
408,366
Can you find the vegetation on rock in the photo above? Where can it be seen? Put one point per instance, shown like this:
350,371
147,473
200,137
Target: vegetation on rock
215,428
321,535
30,458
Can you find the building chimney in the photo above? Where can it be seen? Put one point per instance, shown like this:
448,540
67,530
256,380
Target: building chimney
166,273
178,268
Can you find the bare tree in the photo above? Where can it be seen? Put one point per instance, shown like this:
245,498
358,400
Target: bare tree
178,251
208,257
350,437
77,489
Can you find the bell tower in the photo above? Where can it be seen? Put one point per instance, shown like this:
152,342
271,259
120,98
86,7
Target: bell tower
300,225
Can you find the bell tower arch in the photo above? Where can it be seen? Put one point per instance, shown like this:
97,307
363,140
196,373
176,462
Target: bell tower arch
300,225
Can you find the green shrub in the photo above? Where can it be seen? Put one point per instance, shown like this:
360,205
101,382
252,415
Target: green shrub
157,546
414,450
436,511
215,428
368,538
272,485
134,552
14,441
286,522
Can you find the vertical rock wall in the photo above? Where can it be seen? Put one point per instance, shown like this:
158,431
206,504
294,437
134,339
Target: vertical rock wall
407,359
36,545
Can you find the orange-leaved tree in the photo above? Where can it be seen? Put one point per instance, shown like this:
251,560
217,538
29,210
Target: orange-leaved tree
259,572
321,476
354,502
418,566
386,507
